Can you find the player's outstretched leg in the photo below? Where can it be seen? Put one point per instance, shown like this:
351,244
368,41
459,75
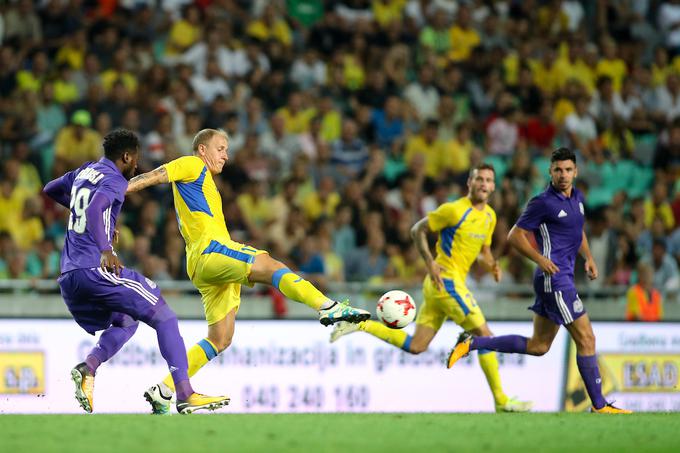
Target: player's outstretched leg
83,378
395,337
269,271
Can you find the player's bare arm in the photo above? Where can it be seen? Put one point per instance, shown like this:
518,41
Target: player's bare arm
490,263
151,178
518,239
419,236
584,251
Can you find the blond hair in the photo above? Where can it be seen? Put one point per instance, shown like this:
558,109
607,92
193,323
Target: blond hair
204,136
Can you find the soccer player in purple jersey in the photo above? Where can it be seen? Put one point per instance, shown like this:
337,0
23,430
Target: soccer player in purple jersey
555,218
98,291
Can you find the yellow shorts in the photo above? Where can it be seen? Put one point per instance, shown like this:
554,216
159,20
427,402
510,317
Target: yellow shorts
454,301
220,271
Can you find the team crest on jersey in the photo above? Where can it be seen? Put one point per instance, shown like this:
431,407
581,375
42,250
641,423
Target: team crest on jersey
580,207
578,306
150,282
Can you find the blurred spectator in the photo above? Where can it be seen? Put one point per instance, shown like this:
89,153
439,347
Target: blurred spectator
644,301
367,263
77,143
423,95
657,205
185,32
666,275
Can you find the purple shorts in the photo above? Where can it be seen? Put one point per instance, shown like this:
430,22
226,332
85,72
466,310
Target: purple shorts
562,307
94,295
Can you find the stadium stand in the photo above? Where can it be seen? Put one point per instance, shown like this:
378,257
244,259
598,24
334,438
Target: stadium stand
348,120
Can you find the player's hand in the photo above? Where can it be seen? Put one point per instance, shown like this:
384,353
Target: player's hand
496,271
110,262
591,269
548,266
435,271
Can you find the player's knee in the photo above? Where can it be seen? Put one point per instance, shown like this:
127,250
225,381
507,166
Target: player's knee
586,344
161,313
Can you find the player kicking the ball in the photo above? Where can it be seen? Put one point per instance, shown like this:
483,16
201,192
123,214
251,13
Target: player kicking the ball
464,229
555,218
217,265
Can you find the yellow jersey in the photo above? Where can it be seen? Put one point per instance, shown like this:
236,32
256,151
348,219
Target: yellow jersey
462,231
198,205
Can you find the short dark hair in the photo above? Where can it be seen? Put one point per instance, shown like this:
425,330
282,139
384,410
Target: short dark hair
118,141
484,166
561,154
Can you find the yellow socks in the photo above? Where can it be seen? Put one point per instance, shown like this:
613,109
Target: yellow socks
395,337
298,289
489,363
198,355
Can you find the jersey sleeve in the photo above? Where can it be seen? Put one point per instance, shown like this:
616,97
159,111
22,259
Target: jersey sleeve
533,215
442,217
60,189
492,228
184,169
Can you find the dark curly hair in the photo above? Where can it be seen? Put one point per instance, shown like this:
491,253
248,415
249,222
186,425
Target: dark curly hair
118,141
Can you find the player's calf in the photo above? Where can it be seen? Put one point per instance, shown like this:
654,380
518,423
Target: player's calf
537,347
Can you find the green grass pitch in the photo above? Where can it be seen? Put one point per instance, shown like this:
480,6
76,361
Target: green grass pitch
356,433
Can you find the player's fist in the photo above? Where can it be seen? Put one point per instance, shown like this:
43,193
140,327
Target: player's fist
110,262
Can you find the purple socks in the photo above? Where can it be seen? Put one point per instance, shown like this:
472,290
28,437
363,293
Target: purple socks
504,343
587,366
171,344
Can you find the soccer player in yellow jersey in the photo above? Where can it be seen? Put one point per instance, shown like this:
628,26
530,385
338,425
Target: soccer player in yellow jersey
464,228
217,265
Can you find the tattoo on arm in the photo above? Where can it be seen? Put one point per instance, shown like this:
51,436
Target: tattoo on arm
151,178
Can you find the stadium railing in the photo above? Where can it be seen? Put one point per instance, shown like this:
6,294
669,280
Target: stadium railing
40,298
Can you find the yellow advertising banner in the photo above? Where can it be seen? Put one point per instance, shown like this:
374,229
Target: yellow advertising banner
22,372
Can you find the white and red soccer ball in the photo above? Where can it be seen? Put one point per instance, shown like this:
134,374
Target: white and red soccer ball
396,309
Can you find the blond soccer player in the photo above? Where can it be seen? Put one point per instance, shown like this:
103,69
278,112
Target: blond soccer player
217,265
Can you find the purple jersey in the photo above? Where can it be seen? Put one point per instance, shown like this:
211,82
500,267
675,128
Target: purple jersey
557,224
94,193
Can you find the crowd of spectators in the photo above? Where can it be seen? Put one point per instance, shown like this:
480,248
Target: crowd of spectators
348,121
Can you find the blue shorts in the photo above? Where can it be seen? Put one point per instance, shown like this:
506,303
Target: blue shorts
94,295
562,306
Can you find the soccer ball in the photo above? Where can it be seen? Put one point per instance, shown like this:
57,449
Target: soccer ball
396,309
